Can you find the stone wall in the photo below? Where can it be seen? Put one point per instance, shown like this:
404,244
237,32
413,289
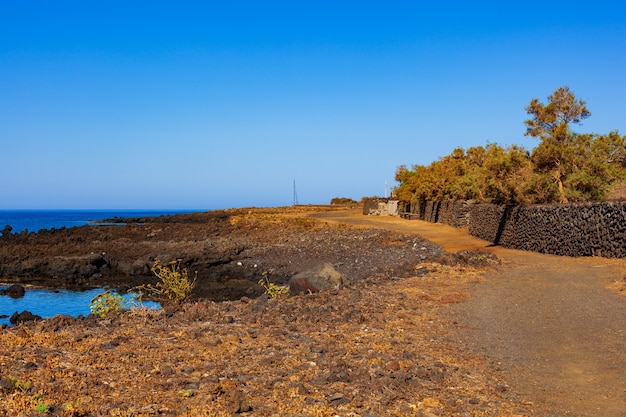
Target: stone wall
375,206
370,204
586,229
454,213
589,229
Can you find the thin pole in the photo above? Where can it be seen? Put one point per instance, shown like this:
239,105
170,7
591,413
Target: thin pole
295,194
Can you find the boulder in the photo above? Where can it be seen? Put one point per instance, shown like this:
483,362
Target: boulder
14,291
23,317
321,278
58,322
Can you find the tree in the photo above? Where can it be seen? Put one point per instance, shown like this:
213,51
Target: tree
504,172
551,124
597,163
565,166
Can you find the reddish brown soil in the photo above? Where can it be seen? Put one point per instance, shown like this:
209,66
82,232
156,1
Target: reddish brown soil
554,326
402,339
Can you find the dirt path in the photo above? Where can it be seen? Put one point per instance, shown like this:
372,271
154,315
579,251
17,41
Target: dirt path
548,323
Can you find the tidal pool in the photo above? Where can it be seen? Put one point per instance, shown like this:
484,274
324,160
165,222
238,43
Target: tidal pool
49,303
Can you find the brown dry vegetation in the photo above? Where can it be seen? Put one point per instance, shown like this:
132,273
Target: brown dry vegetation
378,347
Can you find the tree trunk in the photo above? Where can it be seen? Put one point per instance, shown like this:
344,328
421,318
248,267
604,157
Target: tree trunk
562,197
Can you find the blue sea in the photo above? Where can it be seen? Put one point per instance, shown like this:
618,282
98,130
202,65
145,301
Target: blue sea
48,303
36,220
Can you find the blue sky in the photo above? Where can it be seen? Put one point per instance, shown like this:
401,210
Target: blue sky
203,104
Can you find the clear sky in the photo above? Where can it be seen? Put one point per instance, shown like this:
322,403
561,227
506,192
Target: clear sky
215,104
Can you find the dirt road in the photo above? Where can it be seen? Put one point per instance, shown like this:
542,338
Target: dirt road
548,323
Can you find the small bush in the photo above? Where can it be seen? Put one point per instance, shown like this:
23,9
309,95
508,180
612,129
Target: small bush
174,284
342,201
22,386
72,407
272,289
109,302
186,393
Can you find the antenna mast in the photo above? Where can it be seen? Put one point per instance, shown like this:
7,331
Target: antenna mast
295,194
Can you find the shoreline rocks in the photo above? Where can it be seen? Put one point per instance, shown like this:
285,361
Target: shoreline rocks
23,317
14,291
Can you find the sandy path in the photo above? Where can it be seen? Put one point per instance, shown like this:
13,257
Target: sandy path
548,323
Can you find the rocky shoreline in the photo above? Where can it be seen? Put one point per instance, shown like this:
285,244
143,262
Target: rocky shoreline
229,249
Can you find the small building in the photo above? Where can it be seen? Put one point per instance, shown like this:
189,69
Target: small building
376,206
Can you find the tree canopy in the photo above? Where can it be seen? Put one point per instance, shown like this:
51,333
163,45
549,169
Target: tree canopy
565,166
551,124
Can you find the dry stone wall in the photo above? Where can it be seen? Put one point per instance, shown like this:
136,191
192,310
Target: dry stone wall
589,229
370,205
375,206
586,229
454,213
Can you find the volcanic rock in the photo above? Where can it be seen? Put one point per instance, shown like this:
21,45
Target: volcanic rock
23,317
321,278
14,291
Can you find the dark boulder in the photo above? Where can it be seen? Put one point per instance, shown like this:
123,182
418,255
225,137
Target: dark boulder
321,278
14,291
57,323
23,317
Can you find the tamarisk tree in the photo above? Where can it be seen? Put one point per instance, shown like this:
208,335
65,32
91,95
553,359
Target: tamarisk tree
550,123
564,167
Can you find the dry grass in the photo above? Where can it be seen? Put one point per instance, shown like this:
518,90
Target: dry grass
381,348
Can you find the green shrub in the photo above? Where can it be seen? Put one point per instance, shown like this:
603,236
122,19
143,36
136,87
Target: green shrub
272,289
72,406
186,393
174,284
22,386
109,302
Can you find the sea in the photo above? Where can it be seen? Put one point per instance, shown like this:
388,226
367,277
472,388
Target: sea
36,220
47,303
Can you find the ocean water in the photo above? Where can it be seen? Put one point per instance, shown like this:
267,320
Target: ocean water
48,303
36,220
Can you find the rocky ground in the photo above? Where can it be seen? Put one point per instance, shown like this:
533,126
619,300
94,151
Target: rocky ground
377,347
229,250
